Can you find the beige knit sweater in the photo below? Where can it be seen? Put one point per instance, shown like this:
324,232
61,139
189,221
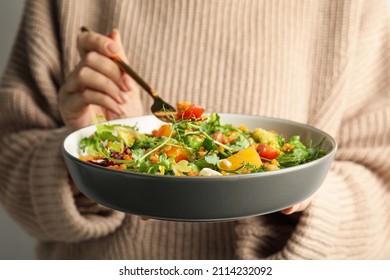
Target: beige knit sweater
326,63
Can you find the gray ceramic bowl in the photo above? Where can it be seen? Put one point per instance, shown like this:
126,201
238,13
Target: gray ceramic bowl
202,198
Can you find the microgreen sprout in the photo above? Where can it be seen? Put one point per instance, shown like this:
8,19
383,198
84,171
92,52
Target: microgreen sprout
188,145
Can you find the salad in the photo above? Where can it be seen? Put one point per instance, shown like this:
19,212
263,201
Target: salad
194,145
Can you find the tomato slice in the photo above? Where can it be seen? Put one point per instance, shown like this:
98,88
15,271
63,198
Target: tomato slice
187,111
267,152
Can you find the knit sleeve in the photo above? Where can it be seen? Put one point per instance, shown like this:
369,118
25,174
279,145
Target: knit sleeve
35,187
349,217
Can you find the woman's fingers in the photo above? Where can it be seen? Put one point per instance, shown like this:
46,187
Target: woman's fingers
75,102
92,41
107,67
133,105
90,96
96,52
77,107
129,82
297,207
85,87
115,36
97,85
88,78
103,65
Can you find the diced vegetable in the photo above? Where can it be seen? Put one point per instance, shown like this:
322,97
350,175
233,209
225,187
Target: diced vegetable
246,157
295,156
269,138
187,111
178,153
267,152
164,130
194,145
127,135
209,172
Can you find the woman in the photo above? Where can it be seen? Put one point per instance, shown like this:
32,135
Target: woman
325,63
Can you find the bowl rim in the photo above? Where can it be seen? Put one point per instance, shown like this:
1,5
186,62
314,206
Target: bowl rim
330,154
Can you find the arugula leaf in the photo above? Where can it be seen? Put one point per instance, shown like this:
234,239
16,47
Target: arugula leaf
87,142
209,144
295,157
137,154
315,152
194,141
115,141
209,161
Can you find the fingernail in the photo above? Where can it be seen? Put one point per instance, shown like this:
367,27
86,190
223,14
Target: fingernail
290,210
113,47
287,211
113,34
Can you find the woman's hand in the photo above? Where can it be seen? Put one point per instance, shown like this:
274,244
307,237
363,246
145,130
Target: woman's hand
297,207
97,86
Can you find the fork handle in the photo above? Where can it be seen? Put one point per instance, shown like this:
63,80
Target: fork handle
126,68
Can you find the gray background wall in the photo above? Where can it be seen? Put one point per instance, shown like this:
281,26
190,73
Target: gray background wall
14,242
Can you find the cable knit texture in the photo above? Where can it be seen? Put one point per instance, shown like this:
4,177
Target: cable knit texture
325,63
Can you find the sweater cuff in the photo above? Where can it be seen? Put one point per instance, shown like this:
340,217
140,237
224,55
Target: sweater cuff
53,201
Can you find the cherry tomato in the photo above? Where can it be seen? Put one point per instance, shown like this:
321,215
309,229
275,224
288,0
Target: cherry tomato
267,152
189,111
